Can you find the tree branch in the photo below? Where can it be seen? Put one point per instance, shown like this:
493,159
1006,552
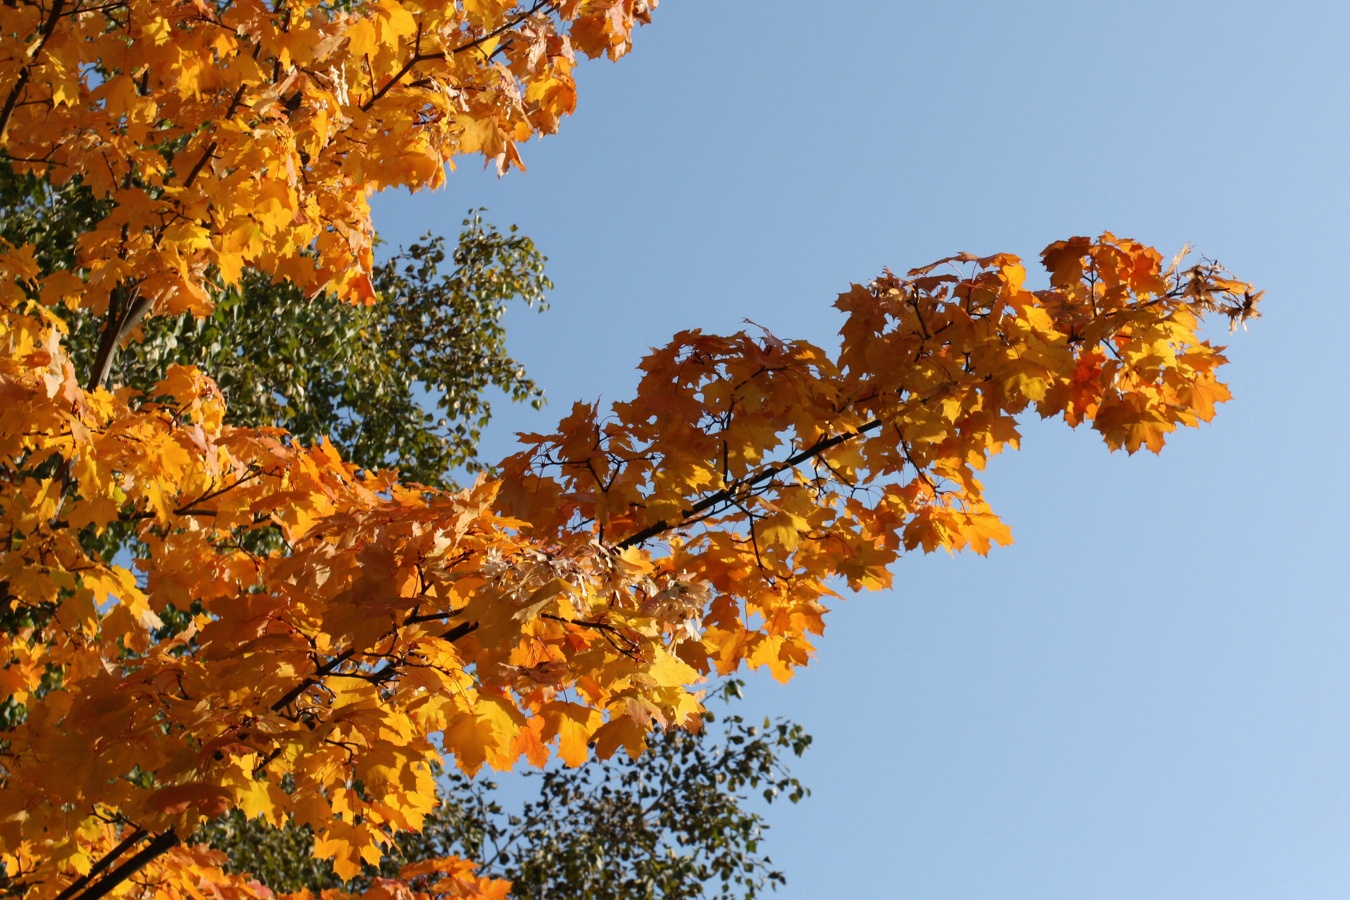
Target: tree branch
106,860
729,492
117,326
418,56
478,41
454,634
160,844
189,508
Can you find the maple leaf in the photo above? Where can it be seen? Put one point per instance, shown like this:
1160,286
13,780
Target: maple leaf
204,799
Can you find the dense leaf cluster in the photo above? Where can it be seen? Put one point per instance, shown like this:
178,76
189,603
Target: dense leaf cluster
363,376
672,824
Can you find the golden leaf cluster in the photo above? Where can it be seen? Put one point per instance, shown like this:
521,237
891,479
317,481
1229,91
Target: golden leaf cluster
241,133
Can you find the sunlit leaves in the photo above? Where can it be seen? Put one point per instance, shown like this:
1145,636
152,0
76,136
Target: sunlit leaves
694,529
766,466
305,640
242,135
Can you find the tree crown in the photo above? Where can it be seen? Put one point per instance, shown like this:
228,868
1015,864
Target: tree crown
570,606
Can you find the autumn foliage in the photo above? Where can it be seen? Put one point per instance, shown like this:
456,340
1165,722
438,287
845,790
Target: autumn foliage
563,607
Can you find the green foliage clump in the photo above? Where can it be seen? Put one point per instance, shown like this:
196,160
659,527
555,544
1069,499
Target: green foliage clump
673,824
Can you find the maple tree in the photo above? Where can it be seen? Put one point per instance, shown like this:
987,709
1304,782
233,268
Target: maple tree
320,366
574,601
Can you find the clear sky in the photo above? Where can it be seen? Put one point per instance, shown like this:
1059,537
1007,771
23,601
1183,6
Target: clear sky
1145,696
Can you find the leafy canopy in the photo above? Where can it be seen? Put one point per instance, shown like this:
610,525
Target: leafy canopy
565,609
321,366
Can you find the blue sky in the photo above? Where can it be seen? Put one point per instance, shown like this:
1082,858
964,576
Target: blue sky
1145,696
